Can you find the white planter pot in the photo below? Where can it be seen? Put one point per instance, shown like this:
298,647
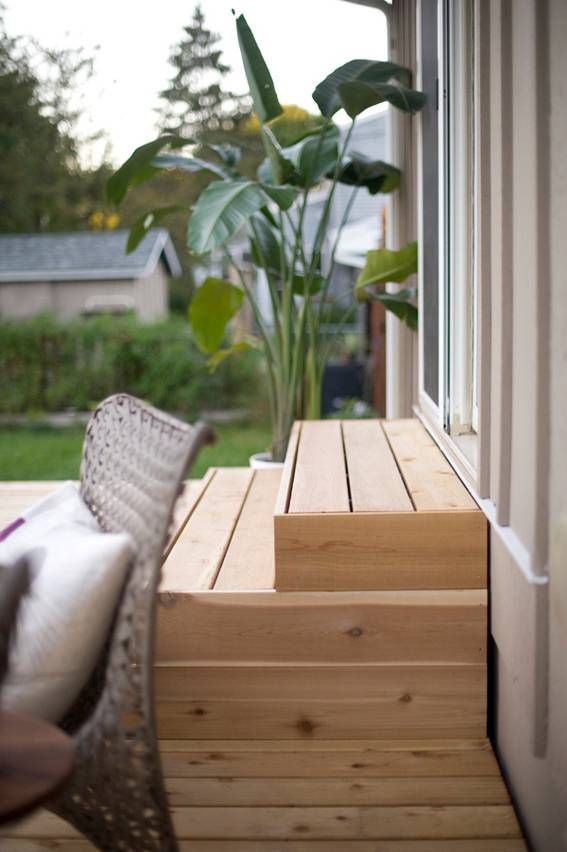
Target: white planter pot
263,461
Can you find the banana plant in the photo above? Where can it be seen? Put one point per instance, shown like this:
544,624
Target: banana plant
270,210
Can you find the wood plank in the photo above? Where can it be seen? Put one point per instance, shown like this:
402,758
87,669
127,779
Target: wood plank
363,551
432,482
347,822
249,792
320,482
249,561
76,845
195,559
226,758
375,481
281,702
404,684
193,490
284,493
483,845
443,626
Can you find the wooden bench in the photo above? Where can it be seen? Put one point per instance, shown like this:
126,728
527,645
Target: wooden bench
326,720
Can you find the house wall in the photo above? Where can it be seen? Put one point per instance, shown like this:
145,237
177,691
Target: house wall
527,206
523,395
67,299
522,470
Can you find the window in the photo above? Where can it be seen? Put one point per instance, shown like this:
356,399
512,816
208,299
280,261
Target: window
448,344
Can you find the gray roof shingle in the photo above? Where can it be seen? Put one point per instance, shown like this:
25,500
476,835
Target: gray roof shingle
83,256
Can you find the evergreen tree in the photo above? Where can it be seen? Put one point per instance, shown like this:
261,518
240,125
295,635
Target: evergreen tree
196,104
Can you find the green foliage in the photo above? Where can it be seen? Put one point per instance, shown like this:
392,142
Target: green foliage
294,344
49,366
214,304
262,89
42,184
384,265
327,94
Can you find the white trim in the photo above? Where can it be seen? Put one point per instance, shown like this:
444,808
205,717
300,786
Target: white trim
515,547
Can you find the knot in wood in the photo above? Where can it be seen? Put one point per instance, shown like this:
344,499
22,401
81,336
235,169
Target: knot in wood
305,726
355,632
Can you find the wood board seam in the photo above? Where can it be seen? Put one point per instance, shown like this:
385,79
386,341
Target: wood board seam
347,471
232,531
206,481
397,463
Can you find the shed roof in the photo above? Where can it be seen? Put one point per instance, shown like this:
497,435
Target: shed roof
84,256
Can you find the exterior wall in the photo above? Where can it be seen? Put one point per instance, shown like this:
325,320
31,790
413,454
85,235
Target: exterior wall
521,477
67,299
150,295
528,401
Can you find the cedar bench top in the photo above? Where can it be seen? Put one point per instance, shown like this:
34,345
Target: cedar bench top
227,540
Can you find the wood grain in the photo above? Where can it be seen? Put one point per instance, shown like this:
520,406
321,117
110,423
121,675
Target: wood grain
248,792
445,626
283,702
375,481
320,482
401,550
483,845
249,561
432,482
363,822
196,557
319,759
284,493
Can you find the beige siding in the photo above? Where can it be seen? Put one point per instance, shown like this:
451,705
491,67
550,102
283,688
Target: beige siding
524,395
528,403
67,299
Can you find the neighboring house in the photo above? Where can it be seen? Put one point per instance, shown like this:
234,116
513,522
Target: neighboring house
78,274
485,192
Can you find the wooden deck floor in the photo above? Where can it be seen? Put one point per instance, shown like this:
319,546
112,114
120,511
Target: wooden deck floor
307,721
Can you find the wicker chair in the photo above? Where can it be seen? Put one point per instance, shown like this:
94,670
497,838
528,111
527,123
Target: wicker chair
134,460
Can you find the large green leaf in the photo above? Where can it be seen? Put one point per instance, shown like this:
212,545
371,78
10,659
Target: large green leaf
280,169
315,156
222,208
212,307
283,196
400,305
326,95
188,164
309,160
265,245
225,206
138,167
358,96
262,89
385,265
375,175
146,221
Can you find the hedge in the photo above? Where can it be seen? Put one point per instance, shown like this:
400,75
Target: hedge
46,365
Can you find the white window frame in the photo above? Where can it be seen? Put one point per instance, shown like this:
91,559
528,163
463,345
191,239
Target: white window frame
454,420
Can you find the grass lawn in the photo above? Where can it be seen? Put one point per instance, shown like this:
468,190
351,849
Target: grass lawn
39,452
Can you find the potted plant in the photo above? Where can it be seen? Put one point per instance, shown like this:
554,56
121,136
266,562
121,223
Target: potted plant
271,211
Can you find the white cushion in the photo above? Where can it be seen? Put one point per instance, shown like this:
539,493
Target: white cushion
77,574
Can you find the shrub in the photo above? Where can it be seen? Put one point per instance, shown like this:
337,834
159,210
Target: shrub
46,365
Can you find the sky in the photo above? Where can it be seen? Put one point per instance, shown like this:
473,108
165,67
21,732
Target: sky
302,41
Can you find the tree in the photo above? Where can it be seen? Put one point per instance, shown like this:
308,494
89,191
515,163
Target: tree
42,184
196,104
